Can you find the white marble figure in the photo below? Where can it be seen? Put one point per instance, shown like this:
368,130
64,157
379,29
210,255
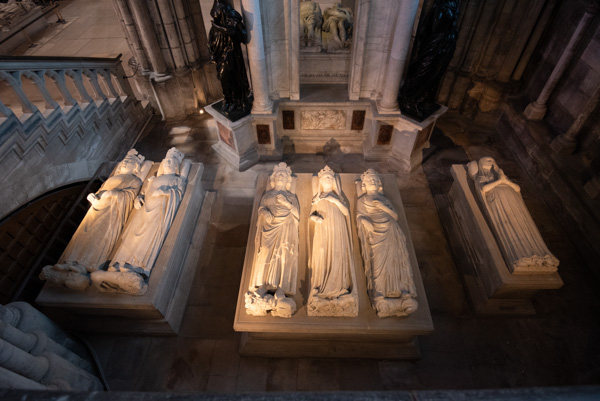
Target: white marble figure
144,235
275,262
338,23
96,236
331,260
383,245
311,21
517,235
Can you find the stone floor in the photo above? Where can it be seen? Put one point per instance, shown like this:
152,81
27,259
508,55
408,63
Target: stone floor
559,346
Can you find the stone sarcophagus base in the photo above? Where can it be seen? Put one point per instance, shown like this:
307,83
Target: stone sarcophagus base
364,336
160,310
492,288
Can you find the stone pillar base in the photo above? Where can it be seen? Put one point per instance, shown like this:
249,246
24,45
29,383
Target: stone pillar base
535,111
561,145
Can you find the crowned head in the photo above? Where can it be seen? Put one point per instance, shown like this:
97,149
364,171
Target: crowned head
371,183
326,179
171,163
281,176
131,163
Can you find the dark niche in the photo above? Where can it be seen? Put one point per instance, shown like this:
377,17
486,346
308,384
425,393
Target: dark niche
432,52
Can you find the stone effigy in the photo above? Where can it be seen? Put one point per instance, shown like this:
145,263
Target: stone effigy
518,238
275,263
383,244
96,236
144,235
331,262
311,21
338,23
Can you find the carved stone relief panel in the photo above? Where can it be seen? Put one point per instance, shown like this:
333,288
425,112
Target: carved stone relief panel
323,119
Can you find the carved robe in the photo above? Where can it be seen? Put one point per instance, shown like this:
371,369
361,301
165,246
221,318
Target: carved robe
331,259
148,228
275,262
518,237
384,251
102,225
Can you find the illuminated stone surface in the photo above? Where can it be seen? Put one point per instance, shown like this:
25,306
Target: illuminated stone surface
304,334
160,309
96,236
332,286
275,263
142,240
383,246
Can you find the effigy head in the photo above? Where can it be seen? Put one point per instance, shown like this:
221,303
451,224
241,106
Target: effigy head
487,165
281,173
131,164
370,180
171,163
326,179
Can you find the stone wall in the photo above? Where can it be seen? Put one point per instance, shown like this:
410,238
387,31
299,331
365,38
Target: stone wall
580,80
495,43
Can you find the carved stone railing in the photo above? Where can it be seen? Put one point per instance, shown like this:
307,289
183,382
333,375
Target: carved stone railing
60,118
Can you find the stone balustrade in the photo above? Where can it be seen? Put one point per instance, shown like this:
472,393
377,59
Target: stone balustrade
60,118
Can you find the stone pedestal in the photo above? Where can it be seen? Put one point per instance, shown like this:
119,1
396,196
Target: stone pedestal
160,310
492,288
237,142
399,139
366,336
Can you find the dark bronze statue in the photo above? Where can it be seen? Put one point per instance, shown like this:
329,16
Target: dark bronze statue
226,34
432,52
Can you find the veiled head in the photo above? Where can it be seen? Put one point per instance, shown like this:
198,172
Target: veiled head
326,179
487,165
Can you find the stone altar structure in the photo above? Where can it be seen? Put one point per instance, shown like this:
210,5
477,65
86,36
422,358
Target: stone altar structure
383,246
96,236
301,335
143,238
496,285
275,262
160,309
300,81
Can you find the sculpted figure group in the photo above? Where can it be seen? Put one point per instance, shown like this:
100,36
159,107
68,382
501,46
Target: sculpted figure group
332,288
334,27
107,238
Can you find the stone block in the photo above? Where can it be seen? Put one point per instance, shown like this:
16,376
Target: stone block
366,336
160,310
